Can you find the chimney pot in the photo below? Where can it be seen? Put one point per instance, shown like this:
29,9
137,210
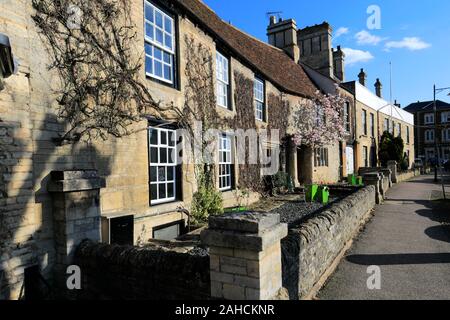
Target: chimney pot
273,20
362,77
378,88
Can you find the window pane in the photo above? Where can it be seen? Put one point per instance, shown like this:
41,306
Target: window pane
161,174
149,12
167,72
149,65
170,190
171,139
153,175
159,36
154,155
168,41
158,69
167,58
148,49
159,19
163,155
170,173
163,137
153,137
149,31
154,191
171,154
162,191
168,25
158,54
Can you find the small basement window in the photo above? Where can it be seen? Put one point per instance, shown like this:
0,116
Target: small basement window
121,230
169,231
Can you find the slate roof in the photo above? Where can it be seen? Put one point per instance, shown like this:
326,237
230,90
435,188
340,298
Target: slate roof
427,106
272,63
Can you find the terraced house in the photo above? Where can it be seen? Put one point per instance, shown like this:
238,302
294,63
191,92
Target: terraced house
374,116
52,195
430,130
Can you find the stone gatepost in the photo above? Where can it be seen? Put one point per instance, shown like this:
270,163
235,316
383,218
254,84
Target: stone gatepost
374,179
76,215
245,256
392,165
387,173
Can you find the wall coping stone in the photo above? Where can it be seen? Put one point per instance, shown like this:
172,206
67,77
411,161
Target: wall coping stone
245,241
250,222
75,180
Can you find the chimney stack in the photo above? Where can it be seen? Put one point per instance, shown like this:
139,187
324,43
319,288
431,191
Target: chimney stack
378,88
339,63
283,35
362,77
316,48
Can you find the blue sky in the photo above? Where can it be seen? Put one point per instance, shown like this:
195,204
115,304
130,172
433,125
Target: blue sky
414,36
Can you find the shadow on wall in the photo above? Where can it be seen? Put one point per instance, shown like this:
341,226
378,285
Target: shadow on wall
26,221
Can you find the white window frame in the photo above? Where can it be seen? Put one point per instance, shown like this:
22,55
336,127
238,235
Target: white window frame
153,44
386,125
446,153
321,157
223,80
347,123
408,137
429,135
372,125
166,165
225,163
429,118
399,129
446,135
366,156
364,122
445,117
258,92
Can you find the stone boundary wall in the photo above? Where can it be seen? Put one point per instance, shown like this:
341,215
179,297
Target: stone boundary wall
310,248
407,175
132,273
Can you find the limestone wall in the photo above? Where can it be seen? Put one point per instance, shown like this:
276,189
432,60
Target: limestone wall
310,249
127,273
407,175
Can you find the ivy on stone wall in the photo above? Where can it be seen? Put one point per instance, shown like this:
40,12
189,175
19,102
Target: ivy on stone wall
249,174
278,113
101,90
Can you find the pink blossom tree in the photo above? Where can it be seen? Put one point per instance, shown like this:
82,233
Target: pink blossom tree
319,122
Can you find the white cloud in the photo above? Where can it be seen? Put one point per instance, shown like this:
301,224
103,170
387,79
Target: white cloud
411,43
341,31
364,37
353,56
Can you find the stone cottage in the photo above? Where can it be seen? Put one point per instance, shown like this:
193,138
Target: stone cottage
51,196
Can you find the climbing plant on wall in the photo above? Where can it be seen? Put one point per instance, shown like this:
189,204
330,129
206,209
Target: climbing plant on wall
249,173
91,48
199,116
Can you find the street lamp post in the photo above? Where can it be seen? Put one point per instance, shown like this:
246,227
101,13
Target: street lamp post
436,146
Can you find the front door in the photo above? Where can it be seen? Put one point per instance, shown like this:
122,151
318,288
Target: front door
350,160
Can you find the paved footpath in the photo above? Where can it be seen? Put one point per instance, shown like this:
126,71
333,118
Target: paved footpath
409,239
